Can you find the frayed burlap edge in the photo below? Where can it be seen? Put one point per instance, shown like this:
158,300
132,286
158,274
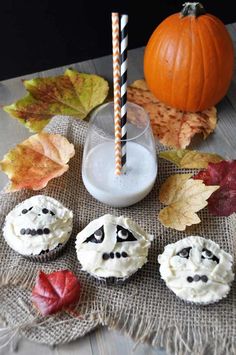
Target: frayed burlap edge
175,338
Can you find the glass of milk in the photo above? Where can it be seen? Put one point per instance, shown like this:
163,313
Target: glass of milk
98,167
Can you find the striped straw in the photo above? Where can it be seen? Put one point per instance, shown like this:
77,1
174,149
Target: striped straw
116,88
124,64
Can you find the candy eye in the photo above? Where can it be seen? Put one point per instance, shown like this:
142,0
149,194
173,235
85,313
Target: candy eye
184,253
124,235
45,210
96,237
207,254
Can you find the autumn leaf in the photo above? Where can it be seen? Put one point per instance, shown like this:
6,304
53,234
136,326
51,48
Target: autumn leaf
56,291
173,128
183,198
223,201
72,94
37,160
190,159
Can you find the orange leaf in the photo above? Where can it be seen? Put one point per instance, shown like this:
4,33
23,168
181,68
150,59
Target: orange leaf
174,128
37,160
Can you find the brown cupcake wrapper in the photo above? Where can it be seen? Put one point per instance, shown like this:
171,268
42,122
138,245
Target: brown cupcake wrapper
47,256
113,281
200,303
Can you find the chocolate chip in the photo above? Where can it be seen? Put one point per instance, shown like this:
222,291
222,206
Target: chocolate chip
124,254
204,278
196,278
28,231
40,231
112,255
33,232
189,279
52,213
22,231
118,255
24,211
46,231
45,210
105,256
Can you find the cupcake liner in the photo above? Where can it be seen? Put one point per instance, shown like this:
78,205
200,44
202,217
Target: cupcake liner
46,256
200,303
111,280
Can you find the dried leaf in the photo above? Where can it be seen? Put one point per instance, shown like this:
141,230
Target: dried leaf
37,160
55,291
223,201
174,128
72,94
190,159
183,198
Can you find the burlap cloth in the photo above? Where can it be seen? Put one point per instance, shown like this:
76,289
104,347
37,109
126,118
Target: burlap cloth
144,307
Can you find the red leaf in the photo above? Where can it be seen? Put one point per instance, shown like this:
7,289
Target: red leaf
52,292
223,201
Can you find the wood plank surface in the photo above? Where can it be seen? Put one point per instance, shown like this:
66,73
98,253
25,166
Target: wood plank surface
223,141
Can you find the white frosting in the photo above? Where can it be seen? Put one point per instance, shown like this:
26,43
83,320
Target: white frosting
176,271
91,254
57,222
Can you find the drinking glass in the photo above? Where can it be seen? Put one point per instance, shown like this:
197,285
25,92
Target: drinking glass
98,166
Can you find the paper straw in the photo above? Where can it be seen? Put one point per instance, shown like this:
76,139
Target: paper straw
116,88
124,65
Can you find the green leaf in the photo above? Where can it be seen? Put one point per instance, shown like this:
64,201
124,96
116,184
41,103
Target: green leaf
190,159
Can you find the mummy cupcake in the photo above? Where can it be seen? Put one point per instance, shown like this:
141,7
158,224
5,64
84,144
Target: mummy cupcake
112,248
38,228
197,270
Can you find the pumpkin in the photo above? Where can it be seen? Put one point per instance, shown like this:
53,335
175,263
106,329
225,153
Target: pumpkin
188,61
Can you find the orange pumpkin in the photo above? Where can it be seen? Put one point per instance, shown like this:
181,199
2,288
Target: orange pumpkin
188,61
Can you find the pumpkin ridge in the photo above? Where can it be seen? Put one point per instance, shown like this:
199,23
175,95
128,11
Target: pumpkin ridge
217,56
190,60
203,67
174,64
156,51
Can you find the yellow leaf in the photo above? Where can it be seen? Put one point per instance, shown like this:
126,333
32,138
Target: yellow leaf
190,159
183,197
72,94
37,160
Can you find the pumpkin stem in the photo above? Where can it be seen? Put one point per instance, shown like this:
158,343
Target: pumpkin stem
192,9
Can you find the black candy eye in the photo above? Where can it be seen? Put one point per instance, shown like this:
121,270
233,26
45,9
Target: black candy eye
207,254
96,237
24,211
184,253
45,210
124,235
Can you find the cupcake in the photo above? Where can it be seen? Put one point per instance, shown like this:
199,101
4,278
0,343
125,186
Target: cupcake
197,270
112,248
38,228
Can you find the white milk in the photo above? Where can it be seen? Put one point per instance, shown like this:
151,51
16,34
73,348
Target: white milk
119,191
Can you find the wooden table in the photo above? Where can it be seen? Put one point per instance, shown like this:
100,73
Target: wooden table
223,141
